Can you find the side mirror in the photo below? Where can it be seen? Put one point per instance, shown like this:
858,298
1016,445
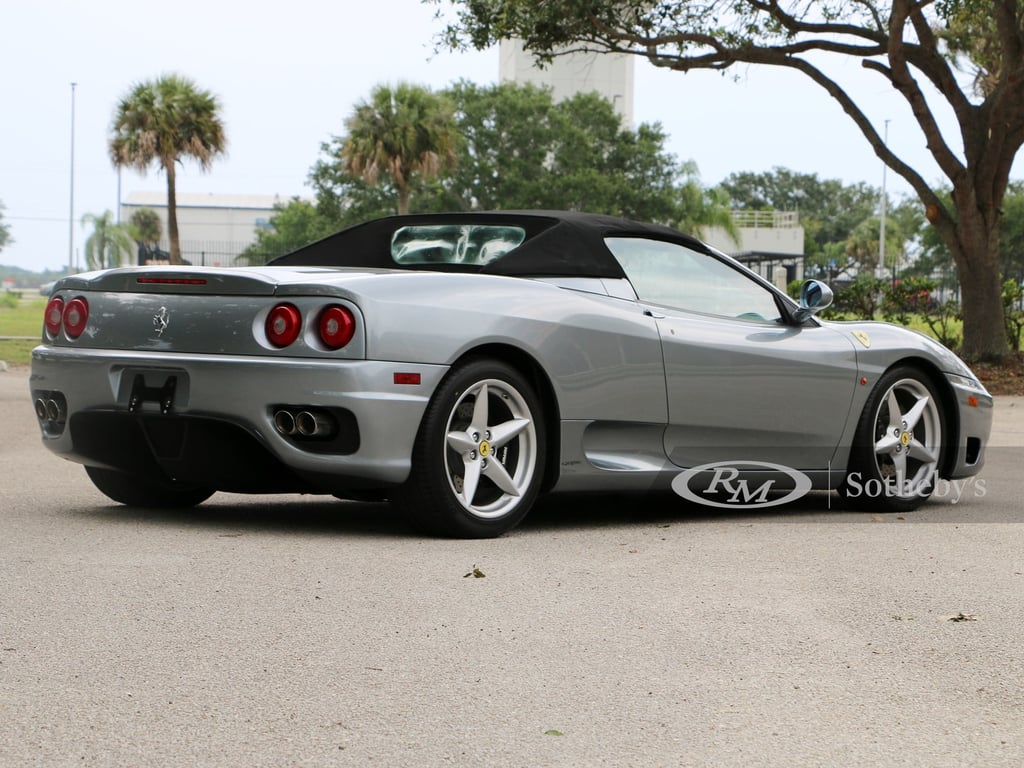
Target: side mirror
814,297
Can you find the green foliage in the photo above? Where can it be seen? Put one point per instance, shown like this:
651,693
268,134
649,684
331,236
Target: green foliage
906,45
1011,235
9,299
1013,311
912,298
293,225
5,230
523,150
163,121
905,298
518,149
507,134
857,300
933,257
829,210
863,243
399,133
109,242
146,225
909,302
971,35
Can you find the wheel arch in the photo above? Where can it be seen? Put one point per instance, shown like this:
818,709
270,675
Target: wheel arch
949,408
526,364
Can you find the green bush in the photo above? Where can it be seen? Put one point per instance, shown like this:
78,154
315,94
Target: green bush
1013,314
911,298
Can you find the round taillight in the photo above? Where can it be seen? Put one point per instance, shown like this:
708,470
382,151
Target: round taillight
54,313
76,315
284,323
337,326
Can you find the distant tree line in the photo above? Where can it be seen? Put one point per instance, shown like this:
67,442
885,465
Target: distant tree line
513,147
487,148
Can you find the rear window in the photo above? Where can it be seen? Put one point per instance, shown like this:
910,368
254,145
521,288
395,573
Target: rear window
454,243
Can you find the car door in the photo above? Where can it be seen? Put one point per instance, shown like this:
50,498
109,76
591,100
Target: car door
742,384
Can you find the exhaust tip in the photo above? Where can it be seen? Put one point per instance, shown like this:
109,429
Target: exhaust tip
40,406
304,422
314,424
284,423
307,424
54,412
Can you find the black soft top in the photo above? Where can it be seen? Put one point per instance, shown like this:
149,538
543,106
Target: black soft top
557,243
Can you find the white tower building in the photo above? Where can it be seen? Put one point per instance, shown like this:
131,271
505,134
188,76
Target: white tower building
611,75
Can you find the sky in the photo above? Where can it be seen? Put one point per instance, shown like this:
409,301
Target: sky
288,74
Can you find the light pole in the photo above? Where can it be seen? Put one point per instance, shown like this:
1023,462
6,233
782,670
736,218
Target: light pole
71,213
881,231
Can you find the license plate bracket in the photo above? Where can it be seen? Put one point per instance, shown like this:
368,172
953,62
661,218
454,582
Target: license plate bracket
162,395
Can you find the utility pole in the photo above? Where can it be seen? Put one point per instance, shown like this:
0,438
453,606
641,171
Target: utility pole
71,213
885,202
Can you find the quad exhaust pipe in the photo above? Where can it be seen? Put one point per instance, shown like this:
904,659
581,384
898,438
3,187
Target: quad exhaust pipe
50,409
304,423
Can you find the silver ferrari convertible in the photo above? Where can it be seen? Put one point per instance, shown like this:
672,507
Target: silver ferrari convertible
461,364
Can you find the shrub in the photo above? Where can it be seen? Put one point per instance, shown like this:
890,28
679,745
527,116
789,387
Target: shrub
1013,314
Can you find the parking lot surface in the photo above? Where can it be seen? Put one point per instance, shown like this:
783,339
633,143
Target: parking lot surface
618,631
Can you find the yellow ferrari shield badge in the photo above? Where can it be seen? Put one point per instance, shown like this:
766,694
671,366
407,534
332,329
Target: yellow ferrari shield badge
863,338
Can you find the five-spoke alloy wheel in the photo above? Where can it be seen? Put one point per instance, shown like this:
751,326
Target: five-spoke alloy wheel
479,456
898,446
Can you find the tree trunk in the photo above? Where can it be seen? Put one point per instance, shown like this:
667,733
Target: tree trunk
976,252
172,215
403,199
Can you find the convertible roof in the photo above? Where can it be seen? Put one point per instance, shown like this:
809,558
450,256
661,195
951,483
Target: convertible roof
557,243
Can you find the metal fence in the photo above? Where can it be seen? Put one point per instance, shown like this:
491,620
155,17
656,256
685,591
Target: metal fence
766,219
200,253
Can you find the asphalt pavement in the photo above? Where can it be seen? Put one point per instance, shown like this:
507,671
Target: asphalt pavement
611,631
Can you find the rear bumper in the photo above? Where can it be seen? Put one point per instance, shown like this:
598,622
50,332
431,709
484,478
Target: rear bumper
237,396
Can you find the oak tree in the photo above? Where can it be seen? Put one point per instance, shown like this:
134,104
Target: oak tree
920,48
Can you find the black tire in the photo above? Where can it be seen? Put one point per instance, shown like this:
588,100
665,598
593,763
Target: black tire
898,446
139,492
477,463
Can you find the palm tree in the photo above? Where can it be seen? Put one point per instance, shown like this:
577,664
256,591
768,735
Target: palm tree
108,243
146,229
166,120
400,132
147,226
